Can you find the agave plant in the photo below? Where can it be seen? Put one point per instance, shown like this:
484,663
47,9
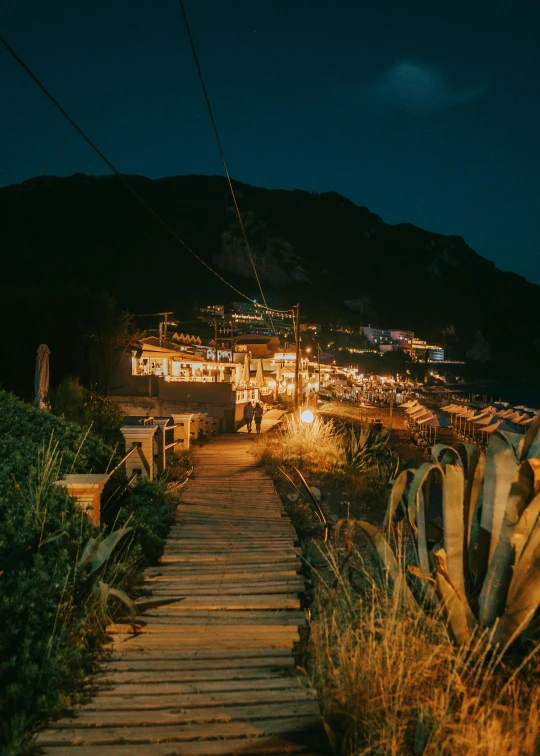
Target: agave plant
365,447
95,555
484,566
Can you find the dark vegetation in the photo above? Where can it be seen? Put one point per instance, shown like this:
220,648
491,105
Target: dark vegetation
53,613
66,238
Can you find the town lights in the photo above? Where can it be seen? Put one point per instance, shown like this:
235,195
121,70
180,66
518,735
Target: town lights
271,384
307,416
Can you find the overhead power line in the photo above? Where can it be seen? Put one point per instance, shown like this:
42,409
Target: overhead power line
117,172
222,153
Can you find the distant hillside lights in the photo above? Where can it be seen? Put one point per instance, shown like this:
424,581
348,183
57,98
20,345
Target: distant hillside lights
388,340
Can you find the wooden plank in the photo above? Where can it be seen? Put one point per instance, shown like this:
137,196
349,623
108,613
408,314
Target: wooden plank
83,736
276,573
206,629
175,716
215,653
233,556
238,588
203,686
232,662
126,702
246,746
254,616
269,601
226,636
160,674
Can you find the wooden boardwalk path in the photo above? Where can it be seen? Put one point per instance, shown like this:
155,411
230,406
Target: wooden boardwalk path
212,672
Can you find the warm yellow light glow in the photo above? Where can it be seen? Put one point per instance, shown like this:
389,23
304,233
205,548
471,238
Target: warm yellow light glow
307,416
271,384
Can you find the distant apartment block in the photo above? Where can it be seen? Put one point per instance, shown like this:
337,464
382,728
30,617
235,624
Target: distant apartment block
397,339
377,336
422,351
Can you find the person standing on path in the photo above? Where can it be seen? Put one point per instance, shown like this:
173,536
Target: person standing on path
258,414
248,415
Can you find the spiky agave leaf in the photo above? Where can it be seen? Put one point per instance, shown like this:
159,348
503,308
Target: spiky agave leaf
499,573
389,561
443,455
501,468
398,493
417,509
454,525
98,550
104,591
530,443
523,597
461,621
472,507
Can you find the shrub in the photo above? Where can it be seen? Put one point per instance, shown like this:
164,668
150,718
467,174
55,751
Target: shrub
317,444
485,565
51,621
86,407
391,682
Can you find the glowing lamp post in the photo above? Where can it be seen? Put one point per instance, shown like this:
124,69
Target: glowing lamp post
307,416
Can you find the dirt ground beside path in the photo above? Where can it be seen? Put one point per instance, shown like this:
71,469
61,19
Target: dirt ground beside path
359,497
400,438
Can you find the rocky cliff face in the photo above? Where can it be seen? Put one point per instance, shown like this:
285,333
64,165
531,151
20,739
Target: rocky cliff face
341,261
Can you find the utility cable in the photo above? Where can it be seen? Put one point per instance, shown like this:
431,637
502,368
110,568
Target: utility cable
115,171
222,153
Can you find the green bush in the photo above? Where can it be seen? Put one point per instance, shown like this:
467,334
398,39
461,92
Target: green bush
51,623
149,510
86,407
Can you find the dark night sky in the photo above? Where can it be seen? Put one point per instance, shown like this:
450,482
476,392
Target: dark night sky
426,112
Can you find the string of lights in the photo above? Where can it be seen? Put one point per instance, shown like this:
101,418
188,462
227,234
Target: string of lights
122,178
222,153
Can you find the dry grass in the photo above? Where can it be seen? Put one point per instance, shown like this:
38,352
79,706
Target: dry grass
316,445
391,682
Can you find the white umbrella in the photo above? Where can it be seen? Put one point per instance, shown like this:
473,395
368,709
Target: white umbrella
278,373
418,411
259,377
41,378
410,403
238,376
247,369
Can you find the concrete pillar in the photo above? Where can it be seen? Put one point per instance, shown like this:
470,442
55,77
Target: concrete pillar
197,425
182,432
202,422
143,437
87,490
212,425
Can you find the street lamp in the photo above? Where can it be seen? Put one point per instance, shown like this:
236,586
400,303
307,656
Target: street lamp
307,416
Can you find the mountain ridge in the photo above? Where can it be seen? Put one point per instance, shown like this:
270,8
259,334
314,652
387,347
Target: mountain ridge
318,248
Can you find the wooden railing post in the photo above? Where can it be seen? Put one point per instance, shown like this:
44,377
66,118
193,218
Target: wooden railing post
182,432
161,422
87,490
143,437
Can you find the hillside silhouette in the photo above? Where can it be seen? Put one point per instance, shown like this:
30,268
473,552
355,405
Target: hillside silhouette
342,262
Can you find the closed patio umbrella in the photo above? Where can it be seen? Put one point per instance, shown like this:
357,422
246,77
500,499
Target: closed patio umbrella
259,377
41,377
247,369
238,375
